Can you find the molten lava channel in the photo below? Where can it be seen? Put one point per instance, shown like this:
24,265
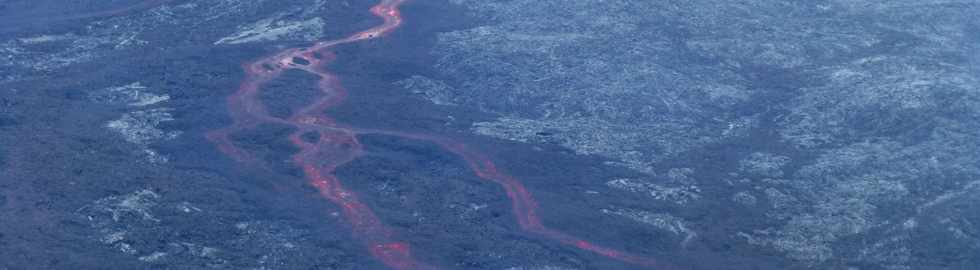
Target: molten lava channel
337,144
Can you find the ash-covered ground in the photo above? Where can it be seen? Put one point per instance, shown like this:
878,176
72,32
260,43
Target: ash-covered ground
708,134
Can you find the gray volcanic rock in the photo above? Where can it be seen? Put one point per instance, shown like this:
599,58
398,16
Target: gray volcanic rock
704,134
863,114
598,76
136,224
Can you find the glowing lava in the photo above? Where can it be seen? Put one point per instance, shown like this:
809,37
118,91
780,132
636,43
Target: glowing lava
337,144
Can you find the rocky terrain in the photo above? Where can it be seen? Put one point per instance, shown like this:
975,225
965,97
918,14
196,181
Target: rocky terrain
708,134
849,126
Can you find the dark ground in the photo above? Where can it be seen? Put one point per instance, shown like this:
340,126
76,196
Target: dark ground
78,194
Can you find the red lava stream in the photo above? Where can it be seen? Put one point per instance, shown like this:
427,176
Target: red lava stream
337,144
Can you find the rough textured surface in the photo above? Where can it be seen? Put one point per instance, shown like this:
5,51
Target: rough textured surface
136,224
141,126
594,76
855,116
708,134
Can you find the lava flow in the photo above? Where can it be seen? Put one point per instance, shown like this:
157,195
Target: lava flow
337,144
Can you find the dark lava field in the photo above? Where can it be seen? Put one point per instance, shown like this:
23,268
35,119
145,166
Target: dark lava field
490,134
